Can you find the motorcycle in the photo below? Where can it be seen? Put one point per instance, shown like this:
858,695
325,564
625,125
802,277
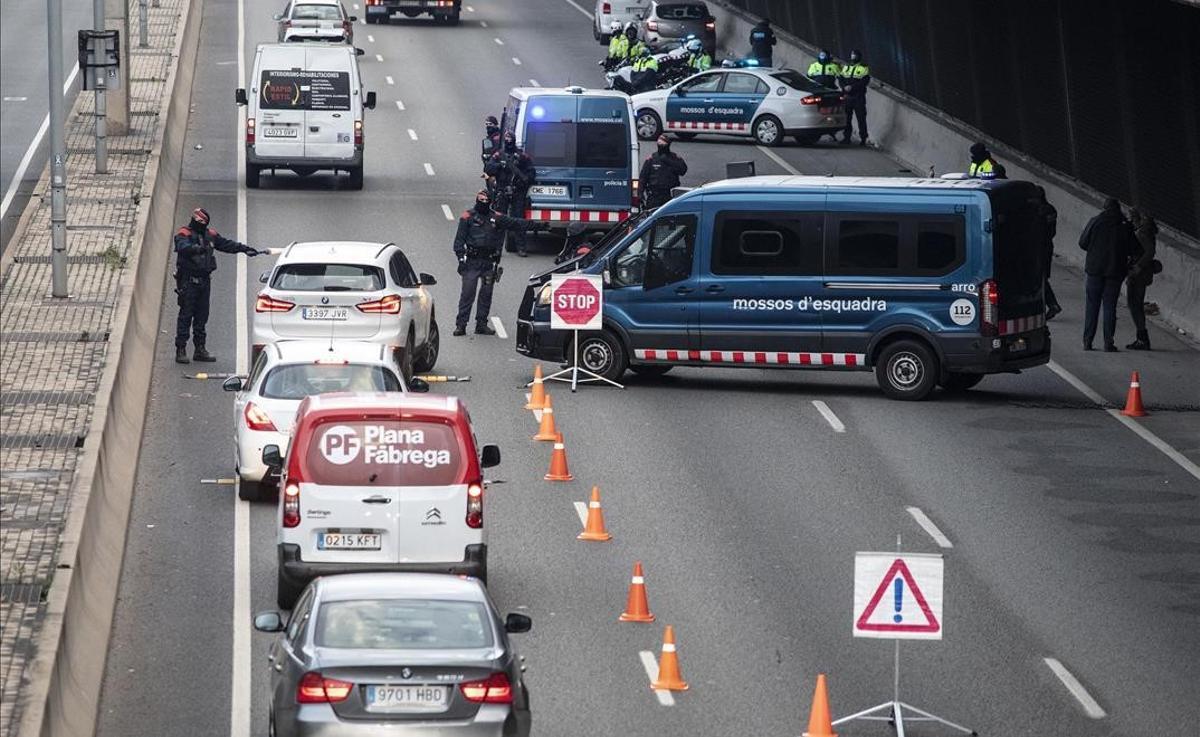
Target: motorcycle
672,68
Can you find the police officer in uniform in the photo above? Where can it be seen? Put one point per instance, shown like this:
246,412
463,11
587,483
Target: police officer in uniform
824,70
634,47
762,38
478,246
645,71
983,165
660,174
698,59
194,264
491,127
856,77
511,173
618,47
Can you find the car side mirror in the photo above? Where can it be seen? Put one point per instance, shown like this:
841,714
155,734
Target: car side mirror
277,16
427,280
354,19
269,622
264,277
417,385
490,456
239,96
370,101
272,457
516,623
358,51
232,384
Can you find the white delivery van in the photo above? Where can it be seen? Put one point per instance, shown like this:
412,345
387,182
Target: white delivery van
304,111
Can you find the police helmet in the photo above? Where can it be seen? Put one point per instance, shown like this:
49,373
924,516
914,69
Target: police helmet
200,215
823,57
694,45
615,27
631,30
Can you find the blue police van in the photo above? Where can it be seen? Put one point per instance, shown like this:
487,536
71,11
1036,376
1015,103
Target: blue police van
926,282
584,149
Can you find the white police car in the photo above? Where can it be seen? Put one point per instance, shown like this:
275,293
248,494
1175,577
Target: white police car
766,104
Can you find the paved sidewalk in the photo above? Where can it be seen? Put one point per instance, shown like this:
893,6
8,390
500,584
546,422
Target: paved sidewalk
52,352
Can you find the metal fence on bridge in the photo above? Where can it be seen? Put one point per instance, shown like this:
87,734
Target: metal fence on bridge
1107,91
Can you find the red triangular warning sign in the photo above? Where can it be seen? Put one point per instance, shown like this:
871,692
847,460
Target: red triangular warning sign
898,569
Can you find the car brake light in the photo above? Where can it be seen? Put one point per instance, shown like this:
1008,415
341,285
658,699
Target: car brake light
989,308
345,26
291,505
270,304
256,419
316,689
651,25
710,25
287,24
475,506
358,133
495,689
249,130
389,305
809,100
606,8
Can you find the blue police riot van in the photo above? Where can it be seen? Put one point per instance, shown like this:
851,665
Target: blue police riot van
926,282
584,149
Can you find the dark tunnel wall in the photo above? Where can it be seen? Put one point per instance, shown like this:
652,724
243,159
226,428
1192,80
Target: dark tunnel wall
1107,91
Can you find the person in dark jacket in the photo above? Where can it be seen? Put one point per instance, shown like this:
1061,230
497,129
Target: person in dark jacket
855,80
1141,274
660,174
478,246
512,173
1108,240
195,262
984,165
762,39
491,128
1049,218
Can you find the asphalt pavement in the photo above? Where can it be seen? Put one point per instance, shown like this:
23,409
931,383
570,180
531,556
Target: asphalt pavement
1071,537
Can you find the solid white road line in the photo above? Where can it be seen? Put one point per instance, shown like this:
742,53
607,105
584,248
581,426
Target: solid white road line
779,160
19,174
581,510
498,42
412,134
1090,707
535,83
516,61
483,24
929,527
370,39
501,333
1180,459
379,57
447,212
15,98
400,105
428,168
572,3
829,416
651,665
389,80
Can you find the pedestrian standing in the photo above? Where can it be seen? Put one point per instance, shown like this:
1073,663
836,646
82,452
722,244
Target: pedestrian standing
195,262
660,174
762,41
1049,219
1108,240
855,79
983,164
478,246
1141,274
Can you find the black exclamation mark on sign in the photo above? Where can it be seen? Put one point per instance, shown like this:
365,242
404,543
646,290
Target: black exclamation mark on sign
899,589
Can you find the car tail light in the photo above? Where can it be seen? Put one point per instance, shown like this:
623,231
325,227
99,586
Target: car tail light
606,8
270,304
358,133
249,130
346,27
317,689
291,505
495,689
635,194
651,25
989,308
710,25
256,419
809,100
389,305
475,506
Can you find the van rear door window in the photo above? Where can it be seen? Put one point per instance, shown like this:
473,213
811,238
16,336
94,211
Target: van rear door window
550,144
384,452
939,246
601,146
868,246
294,89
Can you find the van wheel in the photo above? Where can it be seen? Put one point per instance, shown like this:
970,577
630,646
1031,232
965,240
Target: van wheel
650,371
956,382
252,176
356,178
250,491
907,369
371,20
602,354
286,592
768,131
429,351
452,20
648,125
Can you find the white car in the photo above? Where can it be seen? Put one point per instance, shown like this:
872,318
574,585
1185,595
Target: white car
281,377
764,104
623,11
316,20
349,290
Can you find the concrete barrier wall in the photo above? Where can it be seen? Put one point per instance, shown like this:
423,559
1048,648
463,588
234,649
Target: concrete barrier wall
64,690
925,139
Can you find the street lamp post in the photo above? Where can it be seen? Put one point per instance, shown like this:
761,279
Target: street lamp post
58,153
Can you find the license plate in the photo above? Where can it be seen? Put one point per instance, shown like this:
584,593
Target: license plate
349,541
548,190
402,699
281,132
827,110
325,313
1017,345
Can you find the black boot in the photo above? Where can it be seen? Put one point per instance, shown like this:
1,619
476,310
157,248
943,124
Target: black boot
484,329
1142,343
459,331
202,355
181,354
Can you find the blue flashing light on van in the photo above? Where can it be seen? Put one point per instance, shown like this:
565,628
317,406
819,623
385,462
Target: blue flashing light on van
926,282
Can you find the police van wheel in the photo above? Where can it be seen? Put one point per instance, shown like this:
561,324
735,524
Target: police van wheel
429,351
602,354
650,371
648,125
356,178
768,131
956,382
252,176
907,370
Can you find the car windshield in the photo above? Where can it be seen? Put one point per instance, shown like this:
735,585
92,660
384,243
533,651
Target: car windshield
682,11
328,278
403,624
316,12
797,81
301,380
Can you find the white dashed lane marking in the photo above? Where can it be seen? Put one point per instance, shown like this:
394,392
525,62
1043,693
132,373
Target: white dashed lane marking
498,42
651,665
929,527
447,212
516,61
501,333
575,5
412,134
428,168
829,416
379,57
370,39
400,105
535,83
1090,707
389,80
483,24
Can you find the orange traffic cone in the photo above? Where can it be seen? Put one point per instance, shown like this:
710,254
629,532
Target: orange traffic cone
547,431
669,678
594,529
558,462
637,608
1133,401
537,395
819,723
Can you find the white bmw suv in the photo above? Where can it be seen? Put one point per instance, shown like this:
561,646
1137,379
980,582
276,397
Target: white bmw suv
349,290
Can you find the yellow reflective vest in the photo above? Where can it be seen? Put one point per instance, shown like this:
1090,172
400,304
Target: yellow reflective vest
645,63
618,47
983,170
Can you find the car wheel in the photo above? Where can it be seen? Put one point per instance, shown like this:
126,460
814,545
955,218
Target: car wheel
650,371
405,358
250,491
371,20
356,178
956,382
252,176
684,136
452,20
602,354
286,592
648,125
429,351
907,369
768,131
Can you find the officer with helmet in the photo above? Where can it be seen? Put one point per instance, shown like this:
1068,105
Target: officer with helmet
645,71
511,173
698,60
195,262
618,46
635,47
478,246
824,70
856,78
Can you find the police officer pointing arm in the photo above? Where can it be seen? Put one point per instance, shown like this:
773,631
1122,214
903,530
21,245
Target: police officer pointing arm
195,262
477,245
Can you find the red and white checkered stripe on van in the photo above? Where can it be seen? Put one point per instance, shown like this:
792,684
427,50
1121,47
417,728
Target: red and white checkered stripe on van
1022,324
693,125
771,358
582,216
